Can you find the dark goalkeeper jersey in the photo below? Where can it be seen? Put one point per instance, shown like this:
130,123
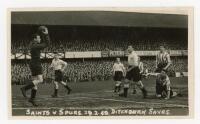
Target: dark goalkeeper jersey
36,49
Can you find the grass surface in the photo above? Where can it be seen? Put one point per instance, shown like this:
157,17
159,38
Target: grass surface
99,95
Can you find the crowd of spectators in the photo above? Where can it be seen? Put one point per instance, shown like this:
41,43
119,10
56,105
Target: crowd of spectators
20,73
89,70
96,38
99,45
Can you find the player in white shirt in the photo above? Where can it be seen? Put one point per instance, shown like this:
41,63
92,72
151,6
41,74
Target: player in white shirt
118,72
133,73
59,66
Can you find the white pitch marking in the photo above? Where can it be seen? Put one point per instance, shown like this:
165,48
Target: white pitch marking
174,105
116,100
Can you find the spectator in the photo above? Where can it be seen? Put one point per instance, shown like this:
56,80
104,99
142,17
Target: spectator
89,70
98,45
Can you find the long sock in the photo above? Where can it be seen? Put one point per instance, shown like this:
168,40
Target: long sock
144,91
67,87
119,88
56,92
28,86
115,89
125,92
33,93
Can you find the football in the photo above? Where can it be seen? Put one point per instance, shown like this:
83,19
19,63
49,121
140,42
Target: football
42,29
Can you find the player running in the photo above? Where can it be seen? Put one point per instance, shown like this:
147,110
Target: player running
133,73
118,72
39,42
163,62
59,66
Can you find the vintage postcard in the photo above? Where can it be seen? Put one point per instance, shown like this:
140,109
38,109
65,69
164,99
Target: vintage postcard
101,62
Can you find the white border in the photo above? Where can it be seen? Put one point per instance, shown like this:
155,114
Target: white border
166,10
4,4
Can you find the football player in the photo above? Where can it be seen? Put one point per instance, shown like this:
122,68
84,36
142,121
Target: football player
141,67
118,72
39,42
59,66
164,86
133,73
163,62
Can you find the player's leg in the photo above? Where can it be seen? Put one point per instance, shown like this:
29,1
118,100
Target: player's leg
60,80
118,77
126,83
134,88
159,87
137,78
168,93
115,79
119,83
142,88
66,86
125,88
173,94
56,87
115,89
27,87
35,70
117,86
37,79
33,95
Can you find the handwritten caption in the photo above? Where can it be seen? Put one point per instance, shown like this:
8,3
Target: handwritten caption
108,112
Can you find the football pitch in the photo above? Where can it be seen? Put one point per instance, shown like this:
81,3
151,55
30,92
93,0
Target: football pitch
98,95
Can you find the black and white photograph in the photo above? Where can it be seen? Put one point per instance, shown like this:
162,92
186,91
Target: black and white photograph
101,62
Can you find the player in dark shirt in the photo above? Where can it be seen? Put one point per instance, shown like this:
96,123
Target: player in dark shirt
39,42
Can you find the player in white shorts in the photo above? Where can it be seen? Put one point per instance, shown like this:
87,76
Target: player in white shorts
133,73
118,72
58,66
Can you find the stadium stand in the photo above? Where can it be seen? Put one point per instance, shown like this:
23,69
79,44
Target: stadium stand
86,45
90,70
97,38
